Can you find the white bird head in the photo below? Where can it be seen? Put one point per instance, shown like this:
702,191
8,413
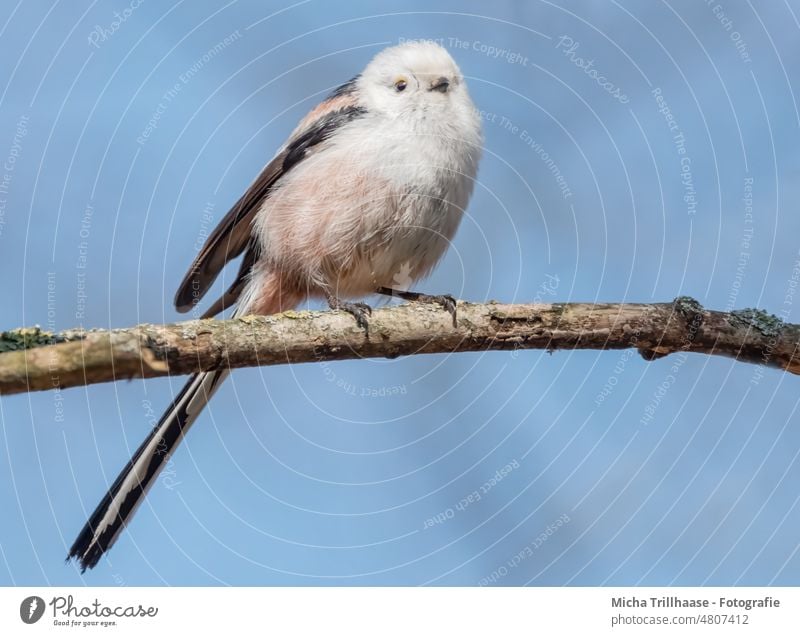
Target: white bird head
412,77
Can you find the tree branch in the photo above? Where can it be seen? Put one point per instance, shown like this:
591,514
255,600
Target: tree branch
34,360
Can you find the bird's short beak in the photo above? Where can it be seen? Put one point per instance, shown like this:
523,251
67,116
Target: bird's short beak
441,84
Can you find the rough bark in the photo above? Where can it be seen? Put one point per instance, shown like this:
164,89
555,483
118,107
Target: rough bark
34,360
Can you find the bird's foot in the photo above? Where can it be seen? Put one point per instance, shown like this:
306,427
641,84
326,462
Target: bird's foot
359,311
447,302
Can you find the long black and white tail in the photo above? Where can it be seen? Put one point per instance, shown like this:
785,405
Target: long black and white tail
130,487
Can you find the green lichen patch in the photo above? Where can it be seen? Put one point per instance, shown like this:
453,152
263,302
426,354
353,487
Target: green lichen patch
687,306
26,338
758,319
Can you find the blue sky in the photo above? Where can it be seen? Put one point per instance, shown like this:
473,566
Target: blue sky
633,153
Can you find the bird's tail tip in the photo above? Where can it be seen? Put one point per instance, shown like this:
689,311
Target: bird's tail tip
129,489
85,552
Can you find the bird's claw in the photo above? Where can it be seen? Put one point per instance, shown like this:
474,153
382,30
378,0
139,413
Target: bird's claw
359,311
448,303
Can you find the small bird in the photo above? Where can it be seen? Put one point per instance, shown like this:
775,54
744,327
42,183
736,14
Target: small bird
372,182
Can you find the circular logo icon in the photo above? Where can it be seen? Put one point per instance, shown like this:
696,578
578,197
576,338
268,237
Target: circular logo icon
31,609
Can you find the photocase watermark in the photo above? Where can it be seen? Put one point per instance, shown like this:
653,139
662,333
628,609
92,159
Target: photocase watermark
791,289
569,47
356,390
727,23
547,287
744,245
31,609
206,220
566,44
10,164
66,612
619,369
149,413
184,78
489,50
523,135
473,497
552,166
104,33
679,140
53,360
401,279
168,473
677,359
82,262
168,476
209,55
526,552
772,325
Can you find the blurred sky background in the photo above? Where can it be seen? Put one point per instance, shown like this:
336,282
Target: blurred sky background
590,467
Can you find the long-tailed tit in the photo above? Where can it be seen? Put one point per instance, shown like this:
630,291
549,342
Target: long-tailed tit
373,182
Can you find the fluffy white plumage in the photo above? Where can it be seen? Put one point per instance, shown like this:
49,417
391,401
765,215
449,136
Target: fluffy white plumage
386,192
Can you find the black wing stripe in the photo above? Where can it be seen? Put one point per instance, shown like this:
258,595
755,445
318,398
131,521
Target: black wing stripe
228,240
233,234
348,88
319,132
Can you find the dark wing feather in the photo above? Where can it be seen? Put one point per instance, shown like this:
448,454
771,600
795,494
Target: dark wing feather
228,239
348,88
231,295
320,131
234,233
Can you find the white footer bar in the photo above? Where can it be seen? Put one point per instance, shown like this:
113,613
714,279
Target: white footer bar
401,611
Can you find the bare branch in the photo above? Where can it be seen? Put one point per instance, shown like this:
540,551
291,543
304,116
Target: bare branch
33,360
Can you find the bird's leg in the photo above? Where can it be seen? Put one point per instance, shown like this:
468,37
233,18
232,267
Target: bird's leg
447,302
359,311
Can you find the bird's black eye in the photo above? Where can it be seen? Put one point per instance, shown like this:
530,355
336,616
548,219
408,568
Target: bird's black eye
400,85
